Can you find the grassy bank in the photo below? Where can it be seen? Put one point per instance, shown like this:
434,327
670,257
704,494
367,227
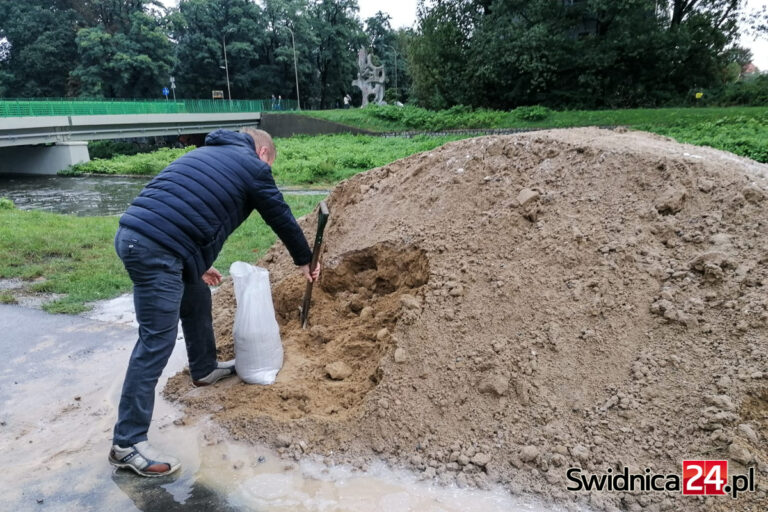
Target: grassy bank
302,161
324,160
743,135
741,130
74,256
328,159
389,118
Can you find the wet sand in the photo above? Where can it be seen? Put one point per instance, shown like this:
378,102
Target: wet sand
58,397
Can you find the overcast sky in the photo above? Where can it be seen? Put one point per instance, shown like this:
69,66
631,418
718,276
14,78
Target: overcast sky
759,48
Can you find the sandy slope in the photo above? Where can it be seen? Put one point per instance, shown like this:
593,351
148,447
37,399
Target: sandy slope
513,306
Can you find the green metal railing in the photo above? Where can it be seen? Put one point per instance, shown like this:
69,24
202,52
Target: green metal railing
13,107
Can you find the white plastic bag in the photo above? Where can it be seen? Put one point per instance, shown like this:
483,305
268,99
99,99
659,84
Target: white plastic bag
258,349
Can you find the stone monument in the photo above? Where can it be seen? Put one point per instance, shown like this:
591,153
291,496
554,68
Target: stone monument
370,78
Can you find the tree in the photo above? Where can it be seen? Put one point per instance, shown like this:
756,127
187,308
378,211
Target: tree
439,56
339,36
579,53
201,28
126,54
260,50
278,73
39,49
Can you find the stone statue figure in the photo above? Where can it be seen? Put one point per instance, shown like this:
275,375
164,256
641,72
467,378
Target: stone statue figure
370,78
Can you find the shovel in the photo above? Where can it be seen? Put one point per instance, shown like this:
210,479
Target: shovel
322,220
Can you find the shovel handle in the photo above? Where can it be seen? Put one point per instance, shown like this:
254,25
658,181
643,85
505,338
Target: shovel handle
322,220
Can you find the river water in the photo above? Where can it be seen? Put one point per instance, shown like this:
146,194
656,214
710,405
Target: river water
82,196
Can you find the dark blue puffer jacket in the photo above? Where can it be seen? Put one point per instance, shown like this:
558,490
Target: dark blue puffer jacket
195,203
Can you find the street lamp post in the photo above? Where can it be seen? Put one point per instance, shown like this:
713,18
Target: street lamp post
226,67
397,92
295,67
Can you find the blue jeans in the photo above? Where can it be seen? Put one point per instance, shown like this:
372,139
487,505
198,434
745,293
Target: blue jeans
160,298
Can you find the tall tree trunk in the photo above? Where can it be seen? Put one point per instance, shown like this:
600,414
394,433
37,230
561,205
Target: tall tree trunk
681,9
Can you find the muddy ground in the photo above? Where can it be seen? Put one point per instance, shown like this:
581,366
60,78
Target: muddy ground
504,308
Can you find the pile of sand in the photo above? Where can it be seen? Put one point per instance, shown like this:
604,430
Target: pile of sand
506,307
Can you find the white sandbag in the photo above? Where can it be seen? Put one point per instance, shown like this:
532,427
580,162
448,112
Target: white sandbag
258,349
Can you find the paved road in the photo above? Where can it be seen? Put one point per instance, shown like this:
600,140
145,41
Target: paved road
58,391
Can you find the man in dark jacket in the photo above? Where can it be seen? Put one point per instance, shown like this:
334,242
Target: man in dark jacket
168,239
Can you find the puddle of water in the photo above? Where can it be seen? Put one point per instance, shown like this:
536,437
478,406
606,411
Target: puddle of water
118,310
303,192
57,426
11,284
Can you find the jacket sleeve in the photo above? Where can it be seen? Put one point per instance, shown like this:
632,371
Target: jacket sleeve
269,202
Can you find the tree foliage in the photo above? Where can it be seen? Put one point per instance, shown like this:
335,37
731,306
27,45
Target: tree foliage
130,48
202,28
40,49
128,57
338,35
576,53
479,53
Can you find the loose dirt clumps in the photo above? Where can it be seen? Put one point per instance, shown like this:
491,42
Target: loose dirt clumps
330,367
505,308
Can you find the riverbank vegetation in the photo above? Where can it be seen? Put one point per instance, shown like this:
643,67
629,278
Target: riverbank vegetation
321,161
741,130
398,119
72,259
302,161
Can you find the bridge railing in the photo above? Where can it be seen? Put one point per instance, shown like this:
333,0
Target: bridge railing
24,107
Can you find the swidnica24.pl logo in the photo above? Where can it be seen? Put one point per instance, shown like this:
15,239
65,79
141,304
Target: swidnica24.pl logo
700,477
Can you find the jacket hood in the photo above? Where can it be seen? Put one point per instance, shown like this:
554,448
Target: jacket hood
229,138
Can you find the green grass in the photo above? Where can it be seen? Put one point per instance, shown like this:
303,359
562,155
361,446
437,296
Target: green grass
76,257
328,159
358,118
7,298
390,118
741,130
74,254
742,135
302,161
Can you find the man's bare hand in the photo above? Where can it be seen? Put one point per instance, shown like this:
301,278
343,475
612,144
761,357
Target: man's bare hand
314,275
212,277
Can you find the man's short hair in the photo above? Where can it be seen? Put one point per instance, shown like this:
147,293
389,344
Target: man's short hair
261,139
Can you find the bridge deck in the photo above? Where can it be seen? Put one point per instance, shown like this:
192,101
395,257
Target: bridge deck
24,131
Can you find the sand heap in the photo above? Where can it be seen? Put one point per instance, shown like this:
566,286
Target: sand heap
506,307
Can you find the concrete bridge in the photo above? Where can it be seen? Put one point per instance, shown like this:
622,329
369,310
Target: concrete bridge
35,140
47,144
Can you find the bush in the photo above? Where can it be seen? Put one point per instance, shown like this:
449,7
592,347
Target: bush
749,91
533,113
456,117
6,204
140,164
111,148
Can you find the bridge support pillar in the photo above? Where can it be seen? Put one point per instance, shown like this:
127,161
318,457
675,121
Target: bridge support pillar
42,159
